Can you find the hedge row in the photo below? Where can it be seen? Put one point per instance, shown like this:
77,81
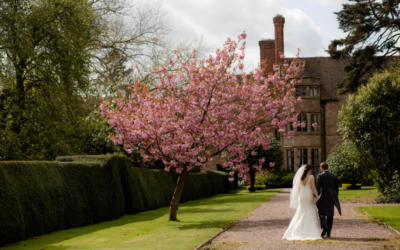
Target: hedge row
280,179
39,197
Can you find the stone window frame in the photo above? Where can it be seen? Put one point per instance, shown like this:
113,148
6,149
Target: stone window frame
316,88
302,155
301,94
318,121
290,167
306,91
297,152
299,128
309,129
312,157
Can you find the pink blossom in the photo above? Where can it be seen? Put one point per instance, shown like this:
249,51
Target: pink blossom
214,112
314,125
272,164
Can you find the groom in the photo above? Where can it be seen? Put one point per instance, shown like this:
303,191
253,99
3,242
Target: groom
328,189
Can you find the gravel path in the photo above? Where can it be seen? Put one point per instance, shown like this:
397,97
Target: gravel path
264,227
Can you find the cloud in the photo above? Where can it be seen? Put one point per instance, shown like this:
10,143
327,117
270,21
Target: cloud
329,2
301,32
213,21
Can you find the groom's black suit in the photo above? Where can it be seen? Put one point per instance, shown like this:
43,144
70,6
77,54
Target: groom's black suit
328,189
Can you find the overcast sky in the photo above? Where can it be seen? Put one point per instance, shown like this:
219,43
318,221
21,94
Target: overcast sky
310,24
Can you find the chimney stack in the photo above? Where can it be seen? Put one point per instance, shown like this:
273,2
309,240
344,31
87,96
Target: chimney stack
279,22
267,54
270,50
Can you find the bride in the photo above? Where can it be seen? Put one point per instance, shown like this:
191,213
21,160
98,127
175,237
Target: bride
304,224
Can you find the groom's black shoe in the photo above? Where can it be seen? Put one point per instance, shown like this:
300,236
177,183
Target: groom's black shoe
323,233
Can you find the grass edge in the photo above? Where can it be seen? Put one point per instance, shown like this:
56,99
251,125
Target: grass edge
233,224
373,220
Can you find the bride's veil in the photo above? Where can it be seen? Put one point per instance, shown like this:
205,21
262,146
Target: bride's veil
294,194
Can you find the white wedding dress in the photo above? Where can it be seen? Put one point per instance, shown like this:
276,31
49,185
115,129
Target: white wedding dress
304,224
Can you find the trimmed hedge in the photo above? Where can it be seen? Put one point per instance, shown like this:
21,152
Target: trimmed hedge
38,197
146,189
205,184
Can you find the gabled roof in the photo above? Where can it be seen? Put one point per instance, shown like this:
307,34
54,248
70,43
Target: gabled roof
330,73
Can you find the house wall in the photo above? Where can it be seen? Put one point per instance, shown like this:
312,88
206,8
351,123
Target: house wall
322,73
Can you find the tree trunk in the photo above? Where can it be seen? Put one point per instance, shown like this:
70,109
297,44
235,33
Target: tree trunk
252,179
20,98
176,197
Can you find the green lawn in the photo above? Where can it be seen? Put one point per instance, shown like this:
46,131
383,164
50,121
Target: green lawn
200,221
365,193
389,215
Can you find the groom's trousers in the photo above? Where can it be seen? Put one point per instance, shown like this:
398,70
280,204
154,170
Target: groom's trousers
326,222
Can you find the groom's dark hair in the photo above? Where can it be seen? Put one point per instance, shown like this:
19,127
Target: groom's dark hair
324,165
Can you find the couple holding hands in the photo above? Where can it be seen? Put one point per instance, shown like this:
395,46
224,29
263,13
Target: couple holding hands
306,196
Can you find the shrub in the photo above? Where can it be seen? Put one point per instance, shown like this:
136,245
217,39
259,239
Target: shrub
279,179
260,180
370,119
344,162
272,155
256,187
351,186
392,191
235,183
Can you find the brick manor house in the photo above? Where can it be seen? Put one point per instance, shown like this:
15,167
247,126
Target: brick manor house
321,103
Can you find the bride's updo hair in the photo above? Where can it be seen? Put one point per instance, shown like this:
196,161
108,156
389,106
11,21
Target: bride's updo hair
307,167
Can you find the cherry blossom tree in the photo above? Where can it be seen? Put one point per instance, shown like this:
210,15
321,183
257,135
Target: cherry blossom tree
204,109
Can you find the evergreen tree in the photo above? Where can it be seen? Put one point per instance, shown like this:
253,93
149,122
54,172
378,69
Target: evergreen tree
372,35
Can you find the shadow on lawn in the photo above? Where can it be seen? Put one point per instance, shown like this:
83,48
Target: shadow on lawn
208,224
185,210
66,234
48,241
